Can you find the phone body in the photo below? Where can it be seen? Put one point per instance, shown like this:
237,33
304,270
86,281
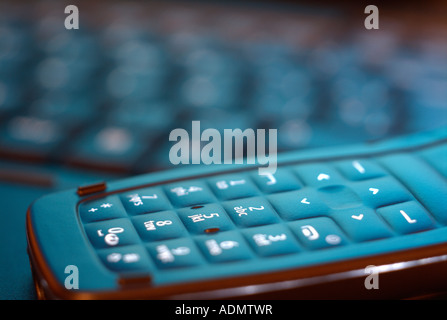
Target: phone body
281,255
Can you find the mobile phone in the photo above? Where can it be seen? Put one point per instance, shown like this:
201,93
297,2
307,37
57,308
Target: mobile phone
360,221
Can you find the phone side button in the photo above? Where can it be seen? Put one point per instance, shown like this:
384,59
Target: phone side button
91,188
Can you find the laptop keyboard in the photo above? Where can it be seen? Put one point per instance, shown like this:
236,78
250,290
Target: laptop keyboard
107,95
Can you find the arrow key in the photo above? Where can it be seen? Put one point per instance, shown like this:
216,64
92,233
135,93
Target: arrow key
380,192
361,224
299,204
319,175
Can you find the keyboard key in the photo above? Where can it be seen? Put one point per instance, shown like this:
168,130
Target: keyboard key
102,209
229,187
361,224
111,233
271,240
145,201
293,205
188,193
360,169
125,259
224,247
381,191
281,180
175,253
318,175
208,218
159,226
109,146
32,136
407,217
250,212
318,233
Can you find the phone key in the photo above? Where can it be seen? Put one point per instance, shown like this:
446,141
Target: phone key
145,201
360,169
318,233
303,203
381,192
361,224
35,137
407,217
319,175
102,209
437,157
175,253
126,259
282,180
188,193
428,186
208,218
339,197
111,233
108,146
250,212
159,226
228,187
224,247
271,240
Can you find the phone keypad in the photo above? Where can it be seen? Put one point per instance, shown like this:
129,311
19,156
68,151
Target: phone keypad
243,219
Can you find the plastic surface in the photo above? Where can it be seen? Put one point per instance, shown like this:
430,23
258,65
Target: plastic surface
276,241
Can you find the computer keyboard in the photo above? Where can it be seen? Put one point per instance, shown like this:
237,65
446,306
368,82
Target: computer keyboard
107,95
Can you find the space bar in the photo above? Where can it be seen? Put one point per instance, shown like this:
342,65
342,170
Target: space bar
426,184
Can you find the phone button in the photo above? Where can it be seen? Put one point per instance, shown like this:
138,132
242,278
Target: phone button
159,226
319,175
206,218
111,233
318,233
251,212
175,253
228,187
271,240
224,247
103,209
145,201
282,180
128,258
407,217
381,191
304,203
362,224
189,193
360,169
